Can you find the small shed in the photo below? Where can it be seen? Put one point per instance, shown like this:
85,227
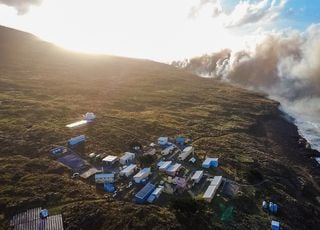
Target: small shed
164,165
197,176
127,158
105,177
273,208
144,193
264,205
275,225
173,169
185,153
109,187
144,173
128,171
210,162
89,116
110,160
163,140
76,140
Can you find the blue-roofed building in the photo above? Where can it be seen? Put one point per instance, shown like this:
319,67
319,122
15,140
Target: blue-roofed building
273,208
180,140
163,140
164,165
76,140
210,163
109,187
275,225
144,193
104,177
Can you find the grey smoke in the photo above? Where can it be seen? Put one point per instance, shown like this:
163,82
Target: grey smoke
286,66
22,6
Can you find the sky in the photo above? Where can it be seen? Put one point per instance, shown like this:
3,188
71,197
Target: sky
161,30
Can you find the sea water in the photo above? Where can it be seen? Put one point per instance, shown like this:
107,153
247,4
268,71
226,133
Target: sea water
308,125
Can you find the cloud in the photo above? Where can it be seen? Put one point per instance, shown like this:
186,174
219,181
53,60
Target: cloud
244,13
216,8
22,6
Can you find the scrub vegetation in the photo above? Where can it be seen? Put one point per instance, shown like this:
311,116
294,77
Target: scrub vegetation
43,88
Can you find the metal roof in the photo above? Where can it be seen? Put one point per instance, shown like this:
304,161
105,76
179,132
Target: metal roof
127,155
142,172
104,175
208,160
216,180
197,175
165,164
110,158
129,168
30,220
174,168
145,191
211,190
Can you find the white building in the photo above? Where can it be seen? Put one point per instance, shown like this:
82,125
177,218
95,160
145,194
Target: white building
197,176
212,188
216,180
185,153
128,171
157,192
164,165
173,169
127,158
144,173
167,150
89,116
110,159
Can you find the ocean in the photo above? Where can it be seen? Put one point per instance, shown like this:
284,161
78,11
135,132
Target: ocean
308,125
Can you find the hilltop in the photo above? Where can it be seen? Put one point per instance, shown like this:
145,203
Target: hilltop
43,88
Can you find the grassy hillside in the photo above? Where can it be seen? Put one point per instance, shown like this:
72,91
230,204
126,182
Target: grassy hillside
43,88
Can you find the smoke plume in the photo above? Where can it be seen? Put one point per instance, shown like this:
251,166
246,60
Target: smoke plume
285,66
22,6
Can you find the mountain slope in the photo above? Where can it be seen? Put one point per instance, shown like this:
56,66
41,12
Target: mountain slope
43,88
